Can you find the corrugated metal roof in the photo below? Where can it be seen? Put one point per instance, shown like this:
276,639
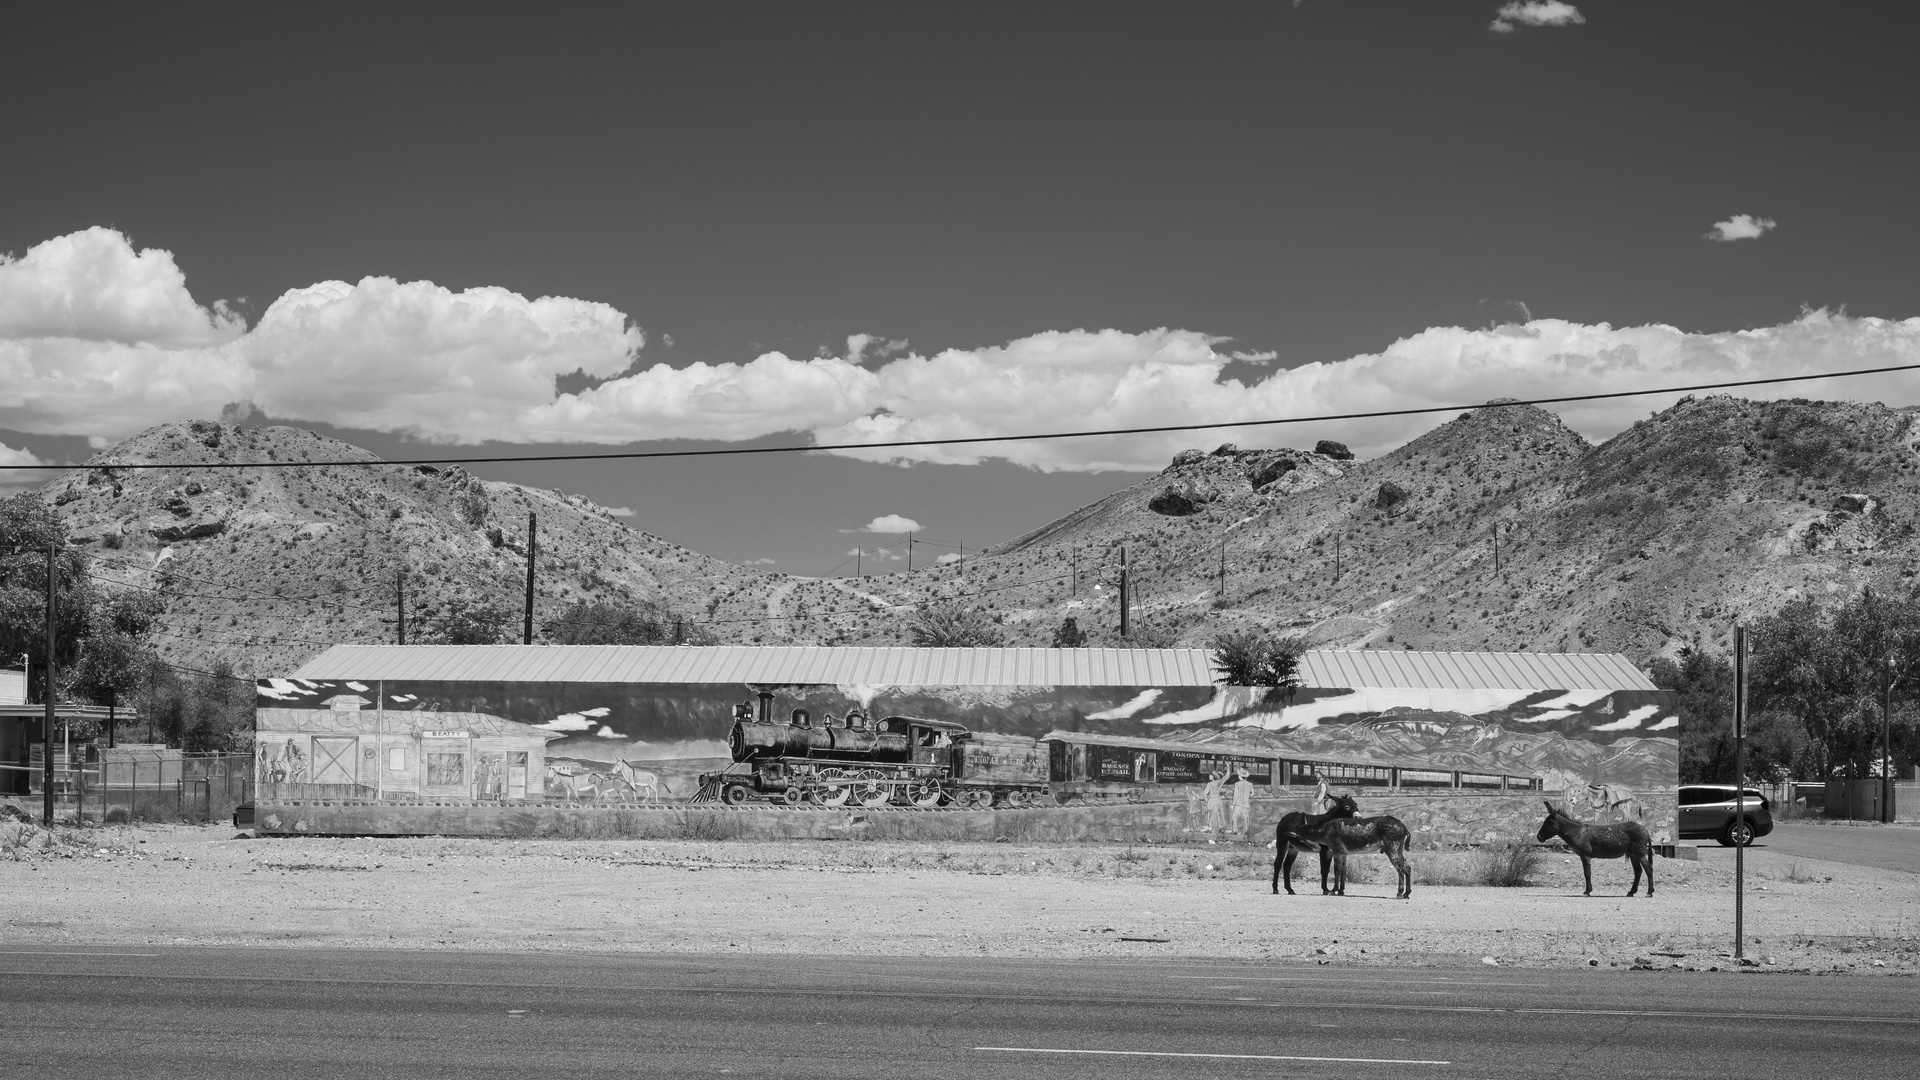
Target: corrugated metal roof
844,666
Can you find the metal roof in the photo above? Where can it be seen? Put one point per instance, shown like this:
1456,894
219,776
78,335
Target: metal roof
848,666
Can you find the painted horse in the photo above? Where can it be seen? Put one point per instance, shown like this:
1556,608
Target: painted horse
1626,840
641,782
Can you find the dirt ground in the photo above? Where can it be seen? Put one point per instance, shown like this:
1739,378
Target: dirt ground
121,886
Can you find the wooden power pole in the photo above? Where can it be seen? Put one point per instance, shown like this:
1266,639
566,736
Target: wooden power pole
533,546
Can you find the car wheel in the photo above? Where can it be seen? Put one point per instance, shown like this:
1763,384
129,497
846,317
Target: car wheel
1738,834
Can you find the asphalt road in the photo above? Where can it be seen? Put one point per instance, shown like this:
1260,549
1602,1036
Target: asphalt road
296,1014
1894,847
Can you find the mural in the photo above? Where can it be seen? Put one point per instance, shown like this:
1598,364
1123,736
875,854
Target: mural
1593,744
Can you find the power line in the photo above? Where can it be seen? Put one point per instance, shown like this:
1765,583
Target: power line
633,455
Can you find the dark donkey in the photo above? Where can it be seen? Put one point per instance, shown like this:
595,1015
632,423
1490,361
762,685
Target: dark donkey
1342,834
1628,840
1288,843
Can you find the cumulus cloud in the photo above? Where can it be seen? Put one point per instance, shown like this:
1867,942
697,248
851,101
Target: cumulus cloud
949,557
11,480
130,348
100,339
1740,227
891,523
93,286
620,511
1518,13
759,562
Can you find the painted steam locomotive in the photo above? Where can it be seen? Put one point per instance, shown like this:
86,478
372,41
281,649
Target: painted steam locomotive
915,762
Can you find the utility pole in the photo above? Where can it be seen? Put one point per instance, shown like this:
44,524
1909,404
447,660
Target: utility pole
46,720
1336,560
1076,571
1222,591
858,552
1496,549
1886,741
400,604
533,547
1739,791
909,553
1125,628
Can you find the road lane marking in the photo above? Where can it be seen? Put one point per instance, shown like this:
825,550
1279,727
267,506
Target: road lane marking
1235,1057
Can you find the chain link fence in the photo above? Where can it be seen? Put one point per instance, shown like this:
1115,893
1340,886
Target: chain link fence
138,783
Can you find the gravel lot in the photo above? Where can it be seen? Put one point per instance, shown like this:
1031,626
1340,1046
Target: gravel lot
118,886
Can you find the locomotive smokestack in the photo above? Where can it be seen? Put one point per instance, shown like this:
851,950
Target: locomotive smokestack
766,706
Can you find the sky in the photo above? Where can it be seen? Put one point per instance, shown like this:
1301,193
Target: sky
454,229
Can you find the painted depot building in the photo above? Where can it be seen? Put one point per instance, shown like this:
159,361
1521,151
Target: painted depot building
510,722
334,740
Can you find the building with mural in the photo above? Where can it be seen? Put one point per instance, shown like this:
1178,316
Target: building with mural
514,722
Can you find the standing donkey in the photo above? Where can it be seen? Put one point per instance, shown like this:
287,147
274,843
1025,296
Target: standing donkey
1348,835
1627,840
1288,844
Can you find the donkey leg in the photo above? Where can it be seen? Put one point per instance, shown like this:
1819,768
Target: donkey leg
1403,873
1283,864
1326,863
1649,860
1339,873
1634,858
1586,867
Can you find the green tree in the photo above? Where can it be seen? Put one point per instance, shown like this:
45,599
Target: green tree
1250,658
1824,669
28,528
467,620
947,625
1702,686
600,622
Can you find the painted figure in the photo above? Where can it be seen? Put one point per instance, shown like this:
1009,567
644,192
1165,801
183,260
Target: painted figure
1322,795
1216,808
1196,808
1242,804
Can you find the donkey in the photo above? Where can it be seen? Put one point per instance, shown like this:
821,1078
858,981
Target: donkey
1347,835
1288,843
1627,840
645,785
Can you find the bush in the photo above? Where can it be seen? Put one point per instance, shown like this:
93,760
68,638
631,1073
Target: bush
1509,864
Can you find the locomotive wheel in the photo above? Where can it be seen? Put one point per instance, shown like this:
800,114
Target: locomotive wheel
733,794
791,796
927,793
832,794
1062,798
980,799
871,791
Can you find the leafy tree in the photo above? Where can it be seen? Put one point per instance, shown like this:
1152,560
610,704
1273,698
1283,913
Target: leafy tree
1824,669
601,622
947,625
468,621
1250,658
1702,685
27,528
1069,636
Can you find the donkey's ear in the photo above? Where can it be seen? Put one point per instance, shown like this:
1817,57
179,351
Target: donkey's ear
1548,805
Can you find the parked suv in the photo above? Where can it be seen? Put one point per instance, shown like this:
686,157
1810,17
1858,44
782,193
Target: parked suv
1707,813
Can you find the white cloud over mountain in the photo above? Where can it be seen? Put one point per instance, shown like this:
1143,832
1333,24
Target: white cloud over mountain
101,340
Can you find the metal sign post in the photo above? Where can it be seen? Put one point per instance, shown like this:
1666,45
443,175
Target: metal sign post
1739,791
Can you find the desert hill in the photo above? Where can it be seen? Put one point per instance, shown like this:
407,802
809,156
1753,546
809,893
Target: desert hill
1502,529
267,567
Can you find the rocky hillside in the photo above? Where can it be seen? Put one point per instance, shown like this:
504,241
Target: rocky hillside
267,567
1502,529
